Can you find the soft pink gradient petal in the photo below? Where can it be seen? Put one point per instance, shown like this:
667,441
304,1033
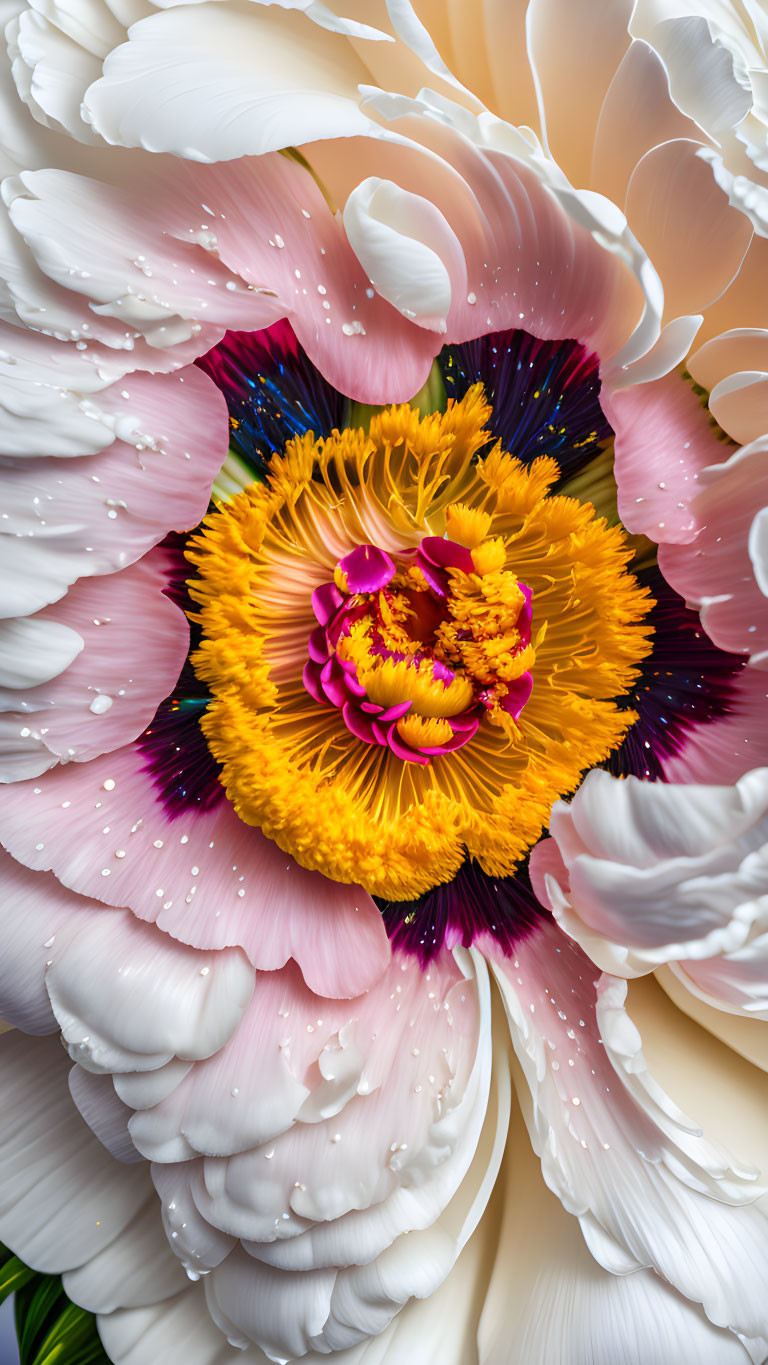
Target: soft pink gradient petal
637,114
135,644
646,1186
574,46
663,442
697,254
729,746
75,518
227,247
299,1057
362,1134
366,1199
166,292
724,569
36,912
528,263
207,879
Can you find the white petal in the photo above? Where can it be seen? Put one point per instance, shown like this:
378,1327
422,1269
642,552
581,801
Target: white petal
748,1037
549,1300
402,241
63,1198
647,1187
104,1112
33,652
128,998
137,1269
177,1332
706,78
212,84
68,519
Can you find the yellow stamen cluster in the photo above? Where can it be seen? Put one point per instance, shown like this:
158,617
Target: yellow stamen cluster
355,811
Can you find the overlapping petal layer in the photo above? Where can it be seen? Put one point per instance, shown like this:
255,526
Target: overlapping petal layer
326,1117
677,878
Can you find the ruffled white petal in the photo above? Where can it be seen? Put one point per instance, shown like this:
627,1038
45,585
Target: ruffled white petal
549,1300
79,518
128,998
648,1188
651,873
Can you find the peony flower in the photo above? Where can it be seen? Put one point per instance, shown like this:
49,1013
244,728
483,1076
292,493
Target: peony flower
294,683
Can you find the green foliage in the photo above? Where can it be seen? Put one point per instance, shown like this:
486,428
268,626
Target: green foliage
50,1329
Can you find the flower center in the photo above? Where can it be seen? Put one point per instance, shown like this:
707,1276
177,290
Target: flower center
379,705
416,649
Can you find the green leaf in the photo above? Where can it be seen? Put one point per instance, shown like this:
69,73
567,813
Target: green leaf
50,1329
13,1275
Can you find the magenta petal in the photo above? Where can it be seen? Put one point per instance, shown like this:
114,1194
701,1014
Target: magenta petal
357,724
317,645
334,681
401,750
311,680
517,695
345,673
466,721
381,733
355,687
459,739
395,712
367,568
326,601
442,672
526,615
446,554
436,578
371,708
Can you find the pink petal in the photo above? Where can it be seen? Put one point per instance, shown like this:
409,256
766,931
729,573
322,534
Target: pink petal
297,1056
724,570
357,724
311,679
663,442
101,512
207,879
446,554
696,254
105,698
730,745
262,223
